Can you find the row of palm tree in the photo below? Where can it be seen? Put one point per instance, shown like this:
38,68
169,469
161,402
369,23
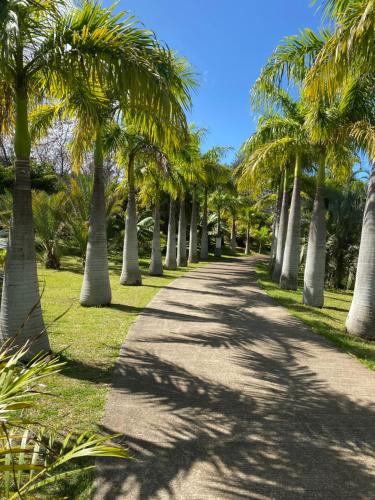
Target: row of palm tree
325,132
101,68
125,95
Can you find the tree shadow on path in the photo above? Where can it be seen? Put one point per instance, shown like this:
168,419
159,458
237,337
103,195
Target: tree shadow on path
266,426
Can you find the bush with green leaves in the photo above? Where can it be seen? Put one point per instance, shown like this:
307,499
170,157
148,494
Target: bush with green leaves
32,460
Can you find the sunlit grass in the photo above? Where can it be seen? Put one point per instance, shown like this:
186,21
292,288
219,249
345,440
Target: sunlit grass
328,321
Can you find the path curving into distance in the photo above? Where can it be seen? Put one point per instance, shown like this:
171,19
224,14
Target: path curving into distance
221,394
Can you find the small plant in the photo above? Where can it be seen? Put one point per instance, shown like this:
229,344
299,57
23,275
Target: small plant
31,459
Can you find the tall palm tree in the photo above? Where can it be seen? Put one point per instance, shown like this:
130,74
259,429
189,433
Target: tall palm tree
188,166
218,201
153,177
42,51
214,174
282,228
281,138
181,240
193,236
349,52
326,121
276,224
171,253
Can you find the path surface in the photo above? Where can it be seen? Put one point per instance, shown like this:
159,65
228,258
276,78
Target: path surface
221,394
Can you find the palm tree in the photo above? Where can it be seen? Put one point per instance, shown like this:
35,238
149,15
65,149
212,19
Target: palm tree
349,52
295,56
214,174
188,173
42,51
231,212
326,121
132,147
276,225
281,138
152,184
181,241
247,213
47,46
218,200
193,236
171,256
282,228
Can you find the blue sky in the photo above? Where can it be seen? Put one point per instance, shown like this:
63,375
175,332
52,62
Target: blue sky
227,42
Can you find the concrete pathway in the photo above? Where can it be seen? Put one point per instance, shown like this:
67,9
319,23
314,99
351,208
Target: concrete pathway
221,394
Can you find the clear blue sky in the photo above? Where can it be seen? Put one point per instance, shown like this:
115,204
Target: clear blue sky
227,42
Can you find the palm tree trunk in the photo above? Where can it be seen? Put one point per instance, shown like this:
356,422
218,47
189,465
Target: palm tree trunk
313,291
21,315
156,264
96,287
247,245
233,240
193,240
361,318
282,231
181,244
275,227
204,237
131,274
289,273
218,235
170,258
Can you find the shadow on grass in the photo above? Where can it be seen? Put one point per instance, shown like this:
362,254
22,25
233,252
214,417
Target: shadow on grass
321,320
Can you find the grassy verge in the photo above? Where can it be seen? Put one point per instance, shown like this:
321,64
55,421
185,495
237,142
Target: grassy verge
328,321
88,340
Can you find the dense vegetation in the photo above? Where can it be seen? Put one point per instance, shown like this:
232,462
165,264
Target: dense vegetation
324,138
99,170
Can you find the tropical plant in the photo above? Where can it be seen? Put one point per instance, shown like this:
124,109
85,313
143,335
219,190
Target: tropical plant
49,216
31,459
213,174
346,55
151,187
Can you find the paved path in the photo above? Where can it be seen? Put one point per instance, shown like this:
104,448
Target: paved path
221,394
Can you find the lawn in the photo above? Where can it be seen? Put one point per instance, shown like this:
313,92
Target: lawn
88,340
328,321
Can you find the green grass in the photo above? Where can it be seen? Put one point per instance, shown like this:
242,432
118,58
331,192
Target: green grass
89,341
328,321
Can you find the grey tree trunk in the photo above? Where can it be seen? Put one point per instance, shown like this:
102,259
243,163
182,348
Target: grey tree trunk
281,237
193,240
289,273
218,234
361,318
181,243
313,291
275,228
247,245
171,258
233,240
96,287
156,264
204,236
21,314
131,274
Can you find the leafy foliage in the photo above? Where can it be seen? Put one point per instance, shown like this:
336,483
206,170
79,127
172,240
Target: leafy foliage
31,458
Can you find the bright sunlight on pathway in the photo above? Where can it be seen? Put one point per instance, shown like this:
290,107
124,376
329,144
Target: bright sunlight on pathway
221,394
